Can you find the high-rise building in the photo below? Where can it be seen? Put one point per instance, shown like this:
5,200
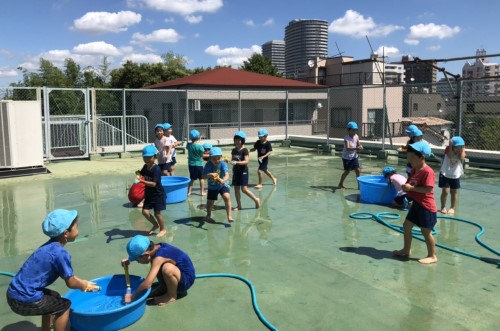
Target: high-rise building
422,74
305,40
480,69
275,50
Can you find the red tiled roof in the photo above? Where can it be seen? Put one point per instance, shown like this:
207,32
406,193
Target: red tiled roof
228,77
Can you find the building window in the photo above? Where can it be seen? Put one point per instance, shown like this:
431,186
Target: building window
415,106
438,106
340,116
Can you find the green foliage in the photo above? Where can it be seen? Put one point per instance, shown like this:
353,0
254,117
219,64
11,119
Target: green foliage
260,64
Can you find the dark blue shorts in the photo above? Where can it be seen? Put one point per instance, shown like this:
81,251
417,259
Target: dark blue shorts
158,206
350,164
183,285
51,304
240,178
263,164
421,217
445,182
212,194
400,200
174,161
165,167
195,172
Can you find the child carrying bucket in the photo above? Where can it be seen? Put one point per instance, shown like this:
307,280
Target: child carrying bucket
28,295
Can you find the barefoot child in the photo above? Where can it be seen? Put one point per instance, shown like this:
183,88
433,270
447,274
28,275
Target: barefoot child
239,160
350,152
422,213
171,266
154,195
195,162
450,173
28,295
206,154
217,173
162,144
264,149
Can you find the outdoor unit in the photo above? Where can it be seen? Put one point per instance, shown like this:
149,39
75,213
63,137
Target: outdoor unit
21,137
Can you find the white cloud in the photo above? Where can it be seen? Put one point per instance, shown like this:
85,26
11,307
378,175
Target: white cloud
432,30
142,58
8,72
197,35
193,19
97,47
356,25
412,42
184,7
102,22
157,36
29,65
232,56
249,23
269,22
6,53
169,20
434,48
388,51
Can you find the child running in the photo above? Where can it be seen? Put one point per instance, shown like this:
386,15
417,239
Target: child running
162,144
419,188
239,160
450,173
171,266
154,195
350,153
397,180
195,162
264,149
28,295
217,173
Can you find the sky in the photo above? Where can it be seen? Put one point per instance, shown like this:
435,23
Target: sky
226,32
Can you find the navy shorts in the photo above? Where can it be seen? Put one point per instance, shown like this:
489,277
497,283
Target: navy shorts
240,178
400,200
182,286
51,304
445,182
174,161
421,217
165,167
351,164
212,194
195,172
263,164
158,206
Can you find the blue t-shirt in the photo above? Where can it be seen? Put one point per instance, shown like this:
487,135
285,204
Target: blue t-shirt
222,170
195,153
153,194
182,260
49,262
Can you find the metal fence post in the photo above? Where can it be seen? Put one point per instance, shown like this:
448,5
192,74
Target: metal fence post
239,109
187,116
459,107
328,116
124,121
286,116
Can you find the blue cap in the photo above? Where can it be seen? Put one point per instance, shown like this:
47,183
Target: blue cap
262,133
388,170
137,246
159,125
417,133
215,151
58,221
166,126
240,134
149,150
411,128
422,147
194,134
352,125
207,146
457,141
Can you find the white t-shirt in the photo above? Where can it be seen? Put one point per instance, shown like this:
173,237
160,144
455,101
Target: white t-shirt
451,168
172,140
352,142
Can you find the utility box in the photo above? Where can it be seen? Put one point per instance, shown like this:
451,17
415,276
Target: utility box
21,139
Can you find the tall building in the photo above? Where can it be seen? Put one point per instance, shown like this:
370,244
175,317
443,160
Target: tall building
423,75
305,40
480,69
275,50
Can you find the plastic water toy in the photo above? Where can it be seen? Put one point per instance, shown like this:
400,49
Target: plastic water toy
176,188
376,189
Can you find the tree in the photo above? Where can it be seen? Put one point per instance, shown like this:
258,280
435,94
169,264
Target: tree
260,64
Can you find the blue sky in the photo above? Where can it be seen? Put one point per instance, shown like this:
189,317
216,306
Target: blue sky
226,32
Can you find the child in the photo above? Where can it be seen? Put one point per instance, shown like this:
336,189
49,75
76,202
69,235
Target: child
170,265
419,188
401,200
415,135
239,160
27,294
154,196
162,144
167,129
195,162
450,173
206,154
350,152
264,149
217,173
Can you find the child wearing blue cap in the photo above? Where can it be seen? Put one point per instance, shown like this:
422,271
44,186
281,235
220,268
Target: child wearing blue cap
239,160
206,154
420,187
217,173
264,149
195,161
154,195
397,180
171,266
450,173
415,134
167,131
350,157
162,144
27,294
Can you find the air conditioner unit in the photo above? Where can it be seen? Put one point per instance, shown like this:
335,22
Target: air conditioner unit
197,105
21,140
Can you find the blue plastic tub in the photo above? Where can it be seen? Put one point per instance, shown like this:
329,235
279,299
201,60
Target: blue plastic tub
375,189
105,310
176,188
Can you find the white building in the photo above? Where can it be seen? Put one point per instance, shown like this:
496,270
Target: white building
480,69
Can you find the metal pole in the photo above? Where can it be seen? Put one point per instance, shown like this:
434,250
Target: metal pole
328,117
124,121
239,109
286,116
459,107
187,116
48,147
